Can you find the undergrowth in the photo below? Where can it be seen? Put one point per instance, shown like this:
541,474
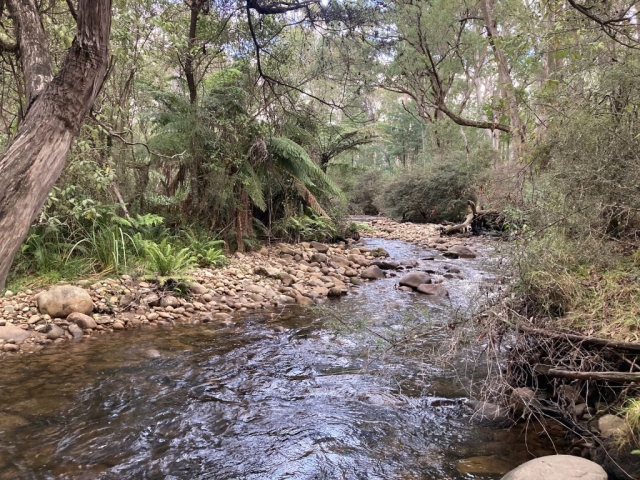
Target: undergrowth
586,286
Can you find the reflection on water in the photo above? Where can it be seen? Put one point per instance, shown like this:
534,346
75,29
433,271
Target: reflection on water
291,395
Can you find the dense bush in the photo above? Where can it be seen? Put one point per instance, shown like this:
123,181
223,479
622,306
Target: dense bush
366,190
435,193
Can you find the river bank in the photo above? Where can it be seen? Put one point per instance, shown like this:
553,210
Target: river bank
266,280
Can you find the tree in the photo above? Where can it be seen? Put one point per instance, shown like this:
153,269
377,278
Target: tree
56,108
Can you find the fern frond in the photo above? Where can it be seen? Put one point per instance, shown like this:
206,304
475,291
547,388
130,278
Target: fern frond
293,159
310,199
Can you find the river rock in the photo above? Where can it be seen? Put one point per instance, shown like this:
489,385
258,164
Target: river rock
386,264
321,247
358,259
255,289
558,467
82,320
302,300
610,426
372,273
415,279
60,301
12,333
11,347
319,257
267,271
286,250
431,289
169,301
487,412
75,330
198,288
460,251
54,332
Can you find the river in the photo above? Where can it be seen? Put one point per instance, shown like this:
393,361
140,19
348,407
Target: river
354,389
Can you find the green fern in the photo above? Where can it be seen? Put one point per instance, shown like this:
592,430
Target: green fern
164,259
294,160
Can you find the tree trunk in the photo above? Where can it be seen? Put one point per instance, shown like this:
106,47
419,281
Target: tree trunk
506,83
37,155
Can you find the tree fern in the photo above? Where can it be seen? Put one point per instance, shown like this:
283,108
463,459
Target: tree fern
294,160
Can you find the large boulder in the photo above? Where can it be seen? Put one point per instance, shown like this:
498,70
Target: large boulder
558,467
372,273
415,279
63,300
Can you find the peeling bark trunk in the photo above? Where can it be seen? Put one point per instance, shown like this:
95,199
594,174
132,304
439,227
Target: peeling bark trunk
34,56
37,155
504,74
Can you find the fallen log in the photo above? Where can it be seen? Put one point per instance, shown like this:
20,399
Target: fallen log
619,377
473,214
601,342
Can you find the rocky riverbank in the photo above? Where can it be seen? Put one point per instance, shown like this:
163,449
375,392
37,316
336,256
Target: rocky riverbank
275,276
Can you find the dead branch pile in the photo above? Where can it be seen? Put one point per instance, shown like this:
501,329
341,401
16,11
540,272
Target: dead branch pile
476,221
575,378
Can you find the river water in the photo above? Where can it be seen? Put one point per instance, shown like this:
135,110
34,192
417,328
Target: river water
350,390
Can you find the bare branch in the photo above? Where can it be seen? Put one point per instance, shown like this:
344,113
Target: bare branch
72,10
119,136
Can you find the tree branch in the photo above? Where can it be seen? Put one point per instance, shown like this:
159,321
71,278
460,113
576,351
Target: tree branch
72,10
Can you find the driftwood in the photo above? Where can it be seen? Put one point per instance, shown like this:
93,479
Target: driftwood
464,226
621,377
601,342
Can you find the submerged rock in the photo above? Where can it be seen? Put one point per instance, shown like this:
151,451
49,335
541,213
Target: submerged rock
386,264
415,279
59,302
460,251
430,289
487,412
558,467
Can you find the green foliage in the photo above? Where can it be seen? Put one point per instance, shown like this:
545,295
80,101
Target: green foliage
294,160
306,227
207,253
433,194
366,191
164,259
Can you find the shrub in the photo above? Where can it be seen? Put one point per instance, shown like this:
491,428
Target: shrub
433,194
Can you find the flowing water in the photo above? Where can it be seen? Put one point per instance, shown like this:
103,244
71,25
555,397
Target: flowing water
322,393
